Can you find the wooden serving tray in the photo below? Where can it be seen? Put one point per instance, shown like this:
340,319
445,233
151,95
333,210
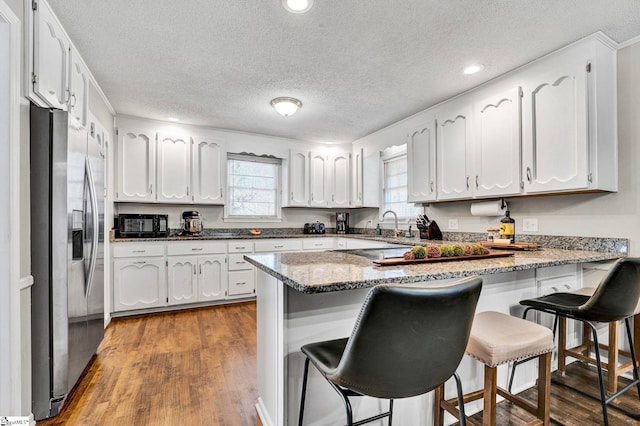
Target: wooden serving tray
514,246
402,261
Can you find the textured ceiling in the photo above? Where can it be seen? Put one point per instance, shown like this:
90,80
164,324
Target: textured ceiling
356,65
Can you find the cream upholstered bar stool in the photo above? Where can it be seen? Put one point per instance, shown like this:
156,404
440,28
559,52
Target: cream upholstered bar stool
497,339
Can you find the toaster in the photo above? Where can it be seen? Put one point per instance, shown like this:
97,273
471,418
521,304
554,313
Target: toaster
314,228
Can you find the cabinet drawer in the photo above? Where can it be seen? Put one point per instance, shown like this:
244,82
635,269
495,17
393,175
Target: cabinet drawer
191,248
241,246
237,262
318,243
241,282
137,250
278,245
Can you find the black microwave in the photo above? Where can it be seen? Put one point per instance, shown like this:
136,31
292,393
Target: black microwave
142,225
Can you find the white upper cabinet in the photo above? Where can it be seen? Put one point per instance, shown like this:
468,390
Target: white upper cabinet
454,144
319,180
78,88
298,178
421,162
569,121
340,176
50,73
136,165
357,180
208,171
555,129
174,168
497,144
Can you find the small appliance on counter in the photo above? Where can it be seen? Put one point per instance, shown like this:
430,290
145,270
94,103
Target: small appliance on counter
142,225
314,228
342,223
191,223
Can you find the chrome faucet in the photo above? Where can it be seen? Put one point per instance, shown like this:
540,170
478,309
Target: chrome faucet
395,215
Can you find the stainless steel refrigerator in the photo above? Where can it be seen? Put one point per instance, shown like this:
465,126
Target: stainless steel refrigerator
67,255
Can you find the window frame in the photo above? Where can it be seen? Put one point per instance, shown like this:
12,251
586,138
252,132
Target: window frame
393,153
227,216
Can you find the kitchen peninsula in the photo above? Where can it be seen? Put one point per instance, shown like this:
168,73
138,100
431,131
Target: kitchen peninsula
307,297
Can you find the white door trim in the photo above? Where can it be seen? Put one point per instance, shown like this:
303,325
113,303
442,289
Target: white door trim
10,328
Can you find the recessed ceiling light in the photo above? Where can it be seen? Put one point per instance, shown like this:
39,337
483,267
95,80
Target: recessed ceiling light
286,106
175,120
472,69
297,6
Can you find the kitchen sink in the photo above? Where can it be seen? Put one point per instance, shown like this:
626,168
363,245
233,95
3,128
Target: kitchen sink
380,253
222,234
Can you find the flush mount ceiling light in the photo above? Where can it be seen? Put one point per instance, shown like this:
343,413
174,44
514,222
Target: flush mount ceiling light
174,119
472,69
297,6
286,106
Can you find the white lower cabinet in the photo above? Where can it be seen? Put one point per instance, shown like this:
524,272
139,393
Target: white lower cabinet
242,275
318,244
212,277
182,280
139,277
196,272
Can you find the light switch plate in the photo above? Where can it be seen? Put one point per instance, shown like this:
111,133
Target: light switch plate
530,224
453,224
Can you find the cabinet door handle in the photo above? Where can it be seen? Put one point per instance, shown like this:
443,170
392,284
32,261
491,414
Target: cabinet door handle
467,183
312,197
195,271
278,246
529,174
333,198
220,192
240,262
476,181
359,195
141,262
242,283
200,269
72,104
431,186
196,249
150,188
187,190
291,195
239,248
139,251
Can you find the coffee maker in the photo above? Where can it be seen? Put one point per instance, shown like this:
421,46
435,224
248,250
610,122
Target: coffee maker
342,223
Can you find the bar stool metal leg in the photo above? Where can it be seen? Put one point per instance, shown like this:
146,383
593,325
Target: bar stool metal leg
304,390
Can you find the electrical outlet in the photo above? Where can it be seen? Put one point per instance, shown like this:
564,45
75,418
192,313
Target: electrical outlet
530,224
453,224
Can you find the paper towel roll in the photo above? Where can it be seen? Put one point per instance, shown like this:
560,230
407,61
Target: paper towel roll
489,208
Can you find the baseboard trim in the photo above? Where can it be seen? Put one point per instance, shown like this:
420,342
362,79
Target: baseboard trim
262,413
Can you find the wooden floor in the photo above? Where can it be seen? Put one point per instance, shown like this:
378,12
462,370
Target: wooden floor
198,367
195,367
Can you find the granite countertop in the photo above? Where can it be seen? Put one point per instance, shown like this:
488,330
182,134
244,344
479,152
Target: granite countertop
329,271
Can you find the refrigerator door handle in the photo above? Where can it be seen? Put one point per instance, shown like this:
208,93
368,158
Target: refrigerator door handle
94,241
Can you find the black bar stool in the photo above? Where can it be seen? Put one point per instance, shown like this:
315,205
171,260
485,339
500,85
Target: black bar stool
615,299
407,341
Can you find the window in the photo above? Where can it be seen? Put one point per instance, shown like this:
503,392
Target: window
395,184
253,186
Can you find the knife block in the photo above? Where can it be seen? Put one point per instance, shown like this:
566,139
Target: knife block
424,235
